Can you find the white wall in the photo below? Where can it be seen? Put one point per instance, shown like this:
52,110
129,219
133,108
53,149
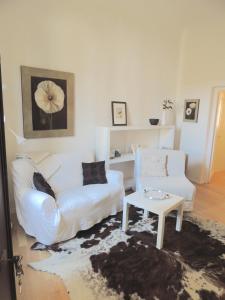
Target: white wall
202,67
136,51
125,50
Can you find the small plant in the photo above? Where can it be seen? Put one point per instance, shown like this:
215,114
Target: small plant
168,103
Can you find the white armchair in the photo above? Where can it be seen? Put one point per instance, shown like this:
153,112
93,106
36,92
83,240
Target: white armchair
175,182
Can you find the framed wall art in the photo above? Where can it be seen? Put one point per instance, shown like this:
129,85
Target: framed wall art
119,113
48,103
191,107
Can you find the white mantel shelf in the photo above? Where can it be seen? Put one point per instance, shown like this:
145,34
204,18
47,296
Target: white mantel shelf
124,157
150,127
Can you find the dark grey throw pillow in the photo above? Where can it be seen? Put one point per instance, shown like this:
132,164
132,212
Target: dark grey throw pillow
94,173
42,185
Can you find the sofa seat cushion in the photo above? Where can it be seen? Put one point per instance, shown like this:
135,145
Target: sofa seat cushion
78,202
180,186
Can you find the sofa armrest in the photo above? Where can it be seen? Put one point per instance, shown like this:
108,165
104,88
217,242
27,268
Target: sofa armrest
39,201
115,177
42,216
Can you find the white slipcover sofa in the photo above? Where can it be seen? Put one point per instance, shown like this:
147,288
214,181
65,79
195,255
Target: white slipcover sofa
175,182
76,207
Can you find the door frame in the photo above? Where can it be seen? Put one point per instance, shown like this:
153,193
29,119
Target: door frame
212,130
6,196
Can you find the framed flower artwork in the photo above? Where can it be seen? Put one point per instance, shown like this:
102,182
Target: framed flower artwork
191,108
48,103
119,113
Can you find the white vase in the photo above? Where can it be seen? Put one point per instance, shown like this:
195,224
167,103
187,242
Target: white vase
168,117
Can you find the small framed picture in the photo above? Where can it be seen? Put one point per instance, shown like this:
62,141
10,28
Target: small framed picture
119,113
191,107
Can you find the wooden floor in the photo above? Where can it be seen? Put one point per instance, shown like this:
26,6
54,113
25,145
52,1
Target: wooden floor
210,204
36,285
210,199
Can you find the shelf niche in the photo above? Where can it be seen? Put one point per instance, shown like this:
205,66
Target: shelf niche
122,137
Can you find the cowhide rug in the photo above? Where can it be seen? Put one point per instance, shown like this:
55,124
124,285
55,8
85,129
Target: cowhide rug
104,263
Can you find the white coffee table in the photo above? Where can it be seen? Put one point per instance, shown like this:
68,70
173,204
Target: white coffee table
159,207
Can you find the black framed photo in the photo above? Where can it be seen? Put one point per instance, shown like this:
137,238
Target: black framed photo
119,113
191,107
48,103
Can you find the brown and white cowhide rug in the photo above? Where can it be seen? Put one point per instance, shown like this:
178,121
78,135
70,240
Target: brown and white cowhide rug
104,263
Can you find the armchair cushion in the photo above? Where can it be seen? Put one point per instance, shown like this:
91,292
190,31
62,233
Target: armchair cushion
154,165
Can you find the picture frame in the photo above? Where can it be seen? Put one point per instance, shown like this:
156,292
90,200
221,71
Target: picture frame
191,108
48,102
119,113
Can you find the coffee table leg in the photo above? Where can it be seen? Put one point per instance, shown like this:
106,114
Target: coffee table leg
179,218
125,216
145,214
160,233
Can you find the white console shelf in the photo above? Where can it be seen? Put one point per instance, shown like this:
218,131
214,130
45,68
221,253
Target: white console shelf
128,128
123,158
122,137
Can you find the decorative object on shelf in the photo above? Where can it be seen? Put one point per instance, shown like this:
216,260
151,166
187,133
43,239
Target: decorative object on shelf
48,103
154,121
119,113
168,113
117,153
191,107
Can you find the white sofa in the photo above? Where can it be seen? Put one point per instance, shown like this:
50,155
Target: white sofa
176,181
76,207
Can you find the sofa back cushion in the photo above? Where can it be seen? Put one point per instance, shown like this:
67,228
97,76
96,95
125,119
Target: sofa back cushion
94,173
42,185
70,173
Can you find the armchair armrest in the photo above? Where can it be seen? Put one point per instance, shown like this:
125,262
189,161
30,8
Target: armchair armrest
115,177
42,216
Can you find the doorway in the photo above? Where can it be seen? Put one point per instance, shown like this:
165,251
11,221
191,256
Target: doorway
217,171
